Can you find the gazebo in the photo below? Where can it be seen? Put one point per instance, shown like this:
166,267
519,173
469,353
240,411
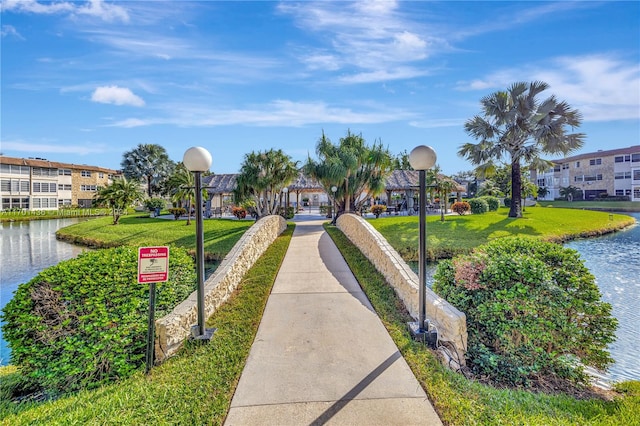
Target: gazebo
305,185
407,181
221,185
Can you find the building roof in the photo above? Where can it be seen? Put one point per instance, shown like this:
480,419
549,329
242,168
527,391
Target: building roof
42,162
305,183
402,180
608,153
220,184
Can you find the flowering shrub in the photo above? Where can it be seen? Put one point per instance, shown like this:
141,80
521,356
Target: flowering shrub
177,212
378,209
533,311
461,207
239,212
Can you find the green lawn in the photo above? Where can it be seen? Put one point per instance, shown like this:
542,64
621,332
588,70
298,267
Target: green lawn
460,401
193,388
462,233
614,206
220,235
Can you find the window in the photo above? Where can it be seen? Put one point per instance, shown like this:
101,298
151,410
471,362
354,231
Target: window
24,186
101,175
556,168
577,164
635,158
64,172
14,170
565,166
65,202
619,159
15,203
622,175
541,182
87,188
619,192
64,187
636,174
578,178
85,173
636,192
595,161
5,185
36,186
43,171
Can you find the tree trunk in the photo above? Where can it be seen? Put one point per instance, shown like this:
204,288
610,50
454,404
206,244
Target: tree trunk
516,189
149,185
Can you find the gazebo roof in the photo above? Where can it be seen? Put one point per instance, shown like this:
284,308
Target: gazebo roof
220,184
305,183
402,180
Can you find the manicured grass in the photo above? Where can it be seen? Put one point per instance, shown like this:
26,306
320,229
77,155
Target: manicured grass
459,234
614,206
460,401
193,388
219,234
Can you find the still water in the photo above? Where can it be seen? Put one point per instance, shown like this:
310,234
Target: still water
27,248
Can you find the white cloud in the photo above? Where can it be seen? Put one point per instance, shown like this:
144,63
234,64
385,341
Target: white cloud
96,8
601,87
372,38
438,122
52,148
117,96
10,30
281,113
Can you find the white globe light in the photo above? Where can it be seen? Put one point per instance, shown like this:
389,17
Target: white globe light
422,157
197,159
334,188
285,189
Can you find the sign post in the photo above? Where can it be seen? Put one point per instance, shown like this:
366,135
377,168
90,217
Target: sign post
153,267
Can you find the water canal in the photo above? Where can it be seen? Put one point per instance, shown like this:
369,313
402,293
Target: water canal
29,247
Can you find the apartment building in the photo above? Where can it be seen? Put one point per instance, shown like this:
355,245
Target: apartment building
39,184
611,172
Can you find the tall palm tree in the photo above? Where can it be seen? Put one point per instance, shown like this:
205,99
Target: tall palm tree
118,196
357,170
516,125
147,161
262,177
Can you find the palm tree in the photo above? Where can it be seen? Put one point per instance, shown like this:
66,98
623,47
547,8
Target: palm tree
118,196
182,187
262,177
147,161
442,186
515,124
358,171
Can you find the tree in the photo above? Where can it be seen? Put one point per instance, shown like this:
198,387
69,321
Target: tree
442,185
543,191
357,170
118,196
571,192
149,162
489,188
401,161
515,125
182,187
262,177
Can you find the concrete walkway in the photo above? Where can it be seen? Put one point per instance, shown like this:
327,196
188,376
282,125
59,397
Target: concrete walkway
322,355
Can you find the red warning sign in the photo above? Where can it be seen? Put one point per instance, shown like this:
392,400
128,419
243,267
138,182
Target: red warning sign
153,264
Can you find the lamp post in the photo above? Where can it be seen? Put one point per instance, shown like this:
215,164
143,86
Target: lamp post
198,160
335,205
285,190
422,158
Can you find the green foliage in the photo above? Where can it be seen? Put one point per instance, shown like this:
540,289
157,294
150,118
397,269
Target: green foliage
83,322
154,203
533,310
378,209
492,202
507,201
479,205
149,162
119,196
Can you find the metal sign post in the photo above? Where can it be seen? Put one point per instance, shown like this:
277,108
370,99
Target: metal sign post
153,267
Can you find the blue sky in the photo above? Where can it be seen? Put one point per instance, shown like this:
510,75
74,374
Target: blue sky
83,82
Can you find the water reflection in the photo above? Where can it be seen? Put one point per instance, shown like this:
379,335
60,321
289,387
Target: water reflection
27,248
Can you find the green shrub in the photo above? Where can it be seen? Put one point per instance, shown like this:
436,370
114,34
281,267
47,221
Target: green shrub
83,322
478,206
460,207
533,310
154,203
507,201
492,202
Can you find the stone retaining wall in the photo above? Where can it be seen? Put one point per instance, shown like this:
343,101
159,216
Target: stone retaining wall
174,328
450,322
